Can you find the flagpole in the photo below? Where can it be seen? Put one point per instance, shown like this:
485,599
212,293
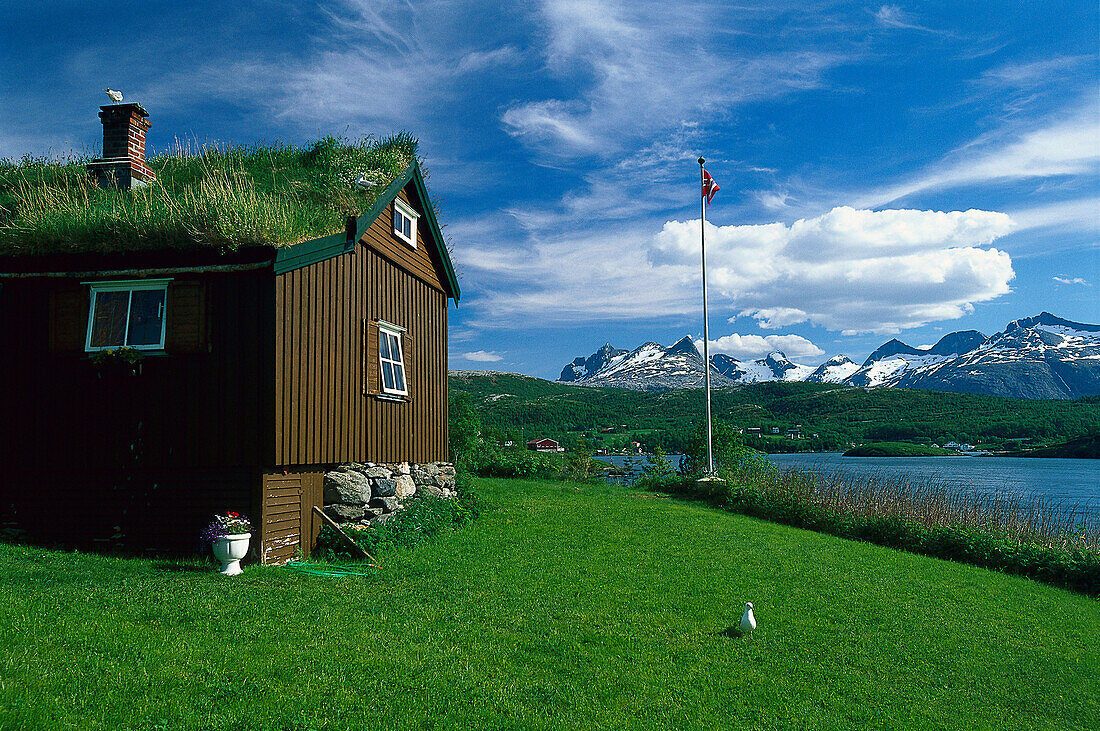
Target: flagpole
706,330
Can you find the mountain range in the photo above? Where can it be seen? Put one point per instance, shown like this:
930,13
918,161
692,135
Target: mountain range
1037,357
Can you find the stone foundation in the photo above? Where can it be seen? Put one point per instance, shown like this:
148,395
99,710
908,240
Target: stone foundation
367,493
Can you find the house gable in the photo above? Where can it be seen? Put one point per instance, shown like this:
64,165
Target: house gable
409,186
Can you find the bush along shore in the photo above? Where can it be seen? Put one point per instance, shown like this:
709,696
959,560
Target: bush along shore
990,532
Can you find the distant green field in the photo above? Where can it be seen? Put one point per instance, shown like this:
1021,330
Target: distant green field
829,417
564,606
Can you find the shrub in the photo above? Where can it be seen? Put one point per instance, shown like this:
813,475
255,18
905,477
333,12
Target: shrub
422,518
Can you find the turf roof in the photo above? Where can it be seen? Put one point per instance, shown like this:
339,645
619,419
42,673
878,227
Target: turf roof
222,197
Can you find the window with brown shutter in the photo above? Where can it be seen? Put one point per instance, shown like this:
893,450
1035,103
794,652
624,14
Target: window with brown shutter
137,314
387,359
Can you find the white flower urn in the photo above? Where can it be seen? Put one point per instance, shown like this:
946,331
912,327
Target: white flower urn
230,549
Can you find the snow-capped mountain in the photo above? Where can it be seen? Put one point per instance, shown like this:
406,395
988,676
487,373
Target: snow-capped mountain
649,367
893,359
834,370
775,367
582,368
1036,357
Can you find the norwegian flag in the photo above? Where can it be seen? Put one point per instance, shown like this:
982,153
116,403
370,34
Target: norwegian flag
709,186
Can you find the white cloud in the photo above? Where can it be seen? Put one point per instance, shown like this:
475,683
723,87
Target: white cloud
851,270
745,347
771,318
483,356
1062,279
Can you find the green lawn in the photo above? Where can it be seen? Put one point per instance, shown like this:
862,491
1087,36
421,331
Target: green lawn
564,606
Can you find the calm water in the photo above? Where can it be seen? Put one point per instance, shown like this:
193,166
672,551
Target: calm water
1068,481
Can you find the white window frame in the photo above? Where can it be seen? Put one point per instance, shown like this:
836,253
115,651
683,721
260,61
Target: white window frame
401,208
398,334
126,286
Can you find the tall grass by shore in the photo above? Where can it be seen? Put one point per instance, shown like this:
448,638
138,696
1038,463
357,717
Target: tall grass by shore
936,504
1038,539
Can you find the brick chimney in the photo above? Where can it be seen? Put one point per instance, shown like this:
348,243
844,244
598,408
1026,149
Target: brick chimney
123,162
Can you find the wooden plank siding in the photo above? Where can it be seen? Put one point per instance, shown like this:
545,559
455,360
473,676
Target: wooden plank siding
322,415
287,522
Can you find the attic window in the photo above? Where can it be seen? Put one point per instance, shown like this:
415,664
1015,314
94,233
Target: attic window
404,222
127,314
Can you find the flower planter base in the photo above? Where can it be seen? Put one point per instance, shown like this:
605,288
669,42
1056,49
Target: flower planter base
230,550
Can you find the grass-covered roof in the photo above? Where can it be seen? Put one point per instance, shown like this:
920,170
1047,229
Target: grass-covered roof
224,197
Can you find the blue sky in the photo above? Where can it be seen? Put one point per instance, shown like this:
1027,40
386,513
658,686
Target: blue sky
886,170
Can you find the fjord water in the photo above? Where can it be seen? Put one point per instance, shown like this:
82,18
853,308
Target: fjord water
1069,482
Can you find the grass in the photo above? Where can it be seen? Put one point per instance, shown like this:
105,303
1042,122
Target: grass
563,606
218,196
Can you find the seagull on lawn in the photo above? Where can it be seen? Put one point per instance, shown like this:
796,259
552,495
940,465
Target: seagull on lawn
364,182
115,94
748,621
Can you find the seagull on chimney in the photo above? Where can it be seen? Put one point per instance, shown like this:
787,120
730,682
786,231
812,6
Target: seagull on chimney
748,620
115,94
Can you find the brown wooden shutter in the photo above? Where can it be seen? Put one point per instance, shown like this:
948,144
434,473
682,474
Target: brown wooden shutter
186,330
69,319
407,352
372,378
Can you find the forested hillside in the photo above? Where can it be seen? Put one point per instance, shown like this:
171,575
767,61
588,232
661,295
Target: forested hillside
521,408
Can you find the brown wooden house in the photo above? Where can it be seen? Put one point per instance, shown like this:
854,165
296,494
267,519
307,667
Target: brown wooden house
262,368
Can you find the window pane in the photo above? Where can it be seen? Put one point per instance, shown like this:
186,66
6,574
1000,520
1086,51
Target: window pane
146,311
396,221
399,377
384,345
408,228
387,376
109,322
395,349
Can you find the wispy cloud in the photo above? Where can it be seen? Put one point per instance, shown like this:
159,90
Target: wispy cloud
893,16
633,71
483,356
1066,144
1076,214
1062,279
